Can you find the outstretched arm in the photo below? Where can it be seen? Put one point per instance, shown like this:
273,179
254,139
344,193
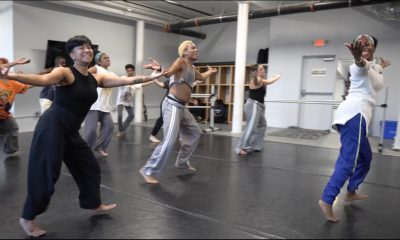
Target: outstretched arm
110,80
158,83
271,80
176,66
57,76
147,83
18,61
197,82
203,76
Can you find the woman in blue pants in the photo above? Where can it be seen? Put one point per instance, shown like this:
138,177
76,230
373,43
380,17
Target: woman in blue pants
352,119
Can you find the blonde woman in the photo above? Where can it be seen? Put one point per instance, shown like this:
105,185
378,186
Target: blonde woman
252,138
176,117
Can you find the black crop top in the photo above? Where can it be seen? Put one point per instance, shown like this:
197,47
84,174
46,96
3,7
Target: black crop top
258,94
79,96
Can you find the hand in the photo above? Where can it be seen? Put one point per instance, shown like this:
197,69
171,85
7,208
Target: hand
356,50
4,71
5,68
155,74
213,70
18,61
278,76
384,62
152,65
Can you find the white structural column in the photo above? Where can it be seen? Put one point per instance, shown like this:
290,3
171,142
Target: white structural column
240,66
396,145
139,71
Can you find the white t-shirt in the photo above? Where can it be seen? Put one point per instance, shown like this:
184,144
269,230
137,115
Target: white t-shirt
366,82
126,94
103,102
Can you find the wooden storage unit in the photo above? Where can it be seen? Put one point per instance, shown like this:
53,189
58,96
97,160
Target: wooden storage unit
224,85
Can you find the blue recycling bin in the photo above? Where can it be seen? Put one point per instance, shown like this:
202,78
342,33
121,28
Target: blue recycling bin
390,129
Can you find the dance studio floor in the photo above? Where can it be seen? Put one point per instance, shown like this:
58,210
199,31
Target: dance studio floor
272,194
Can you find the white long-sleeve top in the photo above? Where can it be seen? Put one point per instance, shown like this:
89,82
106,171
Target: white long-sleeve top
366,82
103,102
126,94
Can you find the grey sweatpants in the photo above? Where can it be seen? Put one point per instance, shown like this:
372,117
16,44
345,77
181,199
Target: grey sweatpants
106,129
122,126
253,136
177,119
9,134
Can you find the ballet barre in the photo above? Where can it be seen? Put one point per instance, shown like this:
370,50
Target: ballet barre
335,104
212,98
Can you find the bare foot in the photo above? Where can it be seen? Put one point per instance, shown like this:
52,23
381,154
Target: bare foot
350,197
104,208
242,152
148,179
191,168
186,166
154,139
327,210
31,228
120,134
103,153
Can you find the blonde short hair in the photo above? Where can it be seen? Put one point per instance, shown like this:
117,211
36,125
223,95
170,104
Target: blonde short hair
183,47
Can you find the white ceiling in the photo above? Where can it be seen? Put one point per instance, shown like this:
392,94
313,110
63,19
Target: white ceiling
160,12
163,11
210,7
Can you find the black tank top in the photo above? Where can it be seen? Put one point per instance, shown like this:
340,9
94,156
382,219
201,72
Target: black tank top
258,94
78,97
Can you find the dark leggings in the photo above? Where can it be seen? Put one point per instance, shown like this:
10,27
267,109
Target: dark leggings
159,123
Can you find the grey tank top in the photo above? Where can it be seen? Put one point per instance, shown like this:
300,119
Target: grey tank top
188,77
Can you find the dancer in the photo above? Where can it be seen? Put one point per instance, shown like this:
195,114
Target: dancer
56,137
125,99
176,117
8,126
159,122
47,94
100,111
352,119
254,109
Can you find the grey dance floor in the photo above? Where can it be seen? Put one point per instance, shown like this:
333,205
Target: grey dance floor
272,194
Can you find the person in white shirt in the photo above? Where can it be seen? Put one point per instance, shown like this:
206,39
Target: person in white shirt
100,110
352,119
125,99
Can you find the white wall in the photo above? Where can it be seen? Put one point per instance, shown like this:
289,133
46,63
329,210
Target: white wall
6,26
33,26
290,37
220,44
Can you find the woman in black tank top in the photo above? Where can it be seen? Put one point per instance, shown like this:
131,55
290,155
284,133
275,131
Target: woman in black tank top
56,137
252,137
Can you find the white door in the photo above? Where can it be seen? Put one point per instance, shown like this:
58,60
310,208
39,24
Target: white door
318,83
